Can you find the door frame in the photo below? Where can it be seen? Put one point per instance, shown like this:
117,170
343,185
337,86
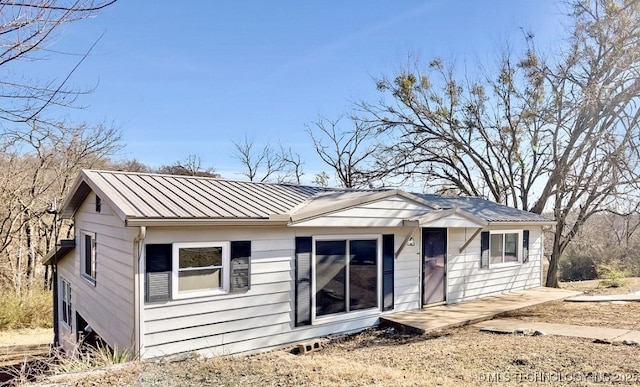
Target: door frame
446,264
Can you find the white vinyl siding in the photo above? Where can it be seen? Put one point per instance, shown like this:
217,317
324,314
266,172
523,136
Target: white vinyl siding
262,317
390,212
107,306
465,279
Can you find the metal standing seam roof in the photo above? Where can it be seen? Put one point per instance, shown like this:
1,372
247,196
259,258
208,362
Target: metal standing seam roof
484,209
155,196
140,196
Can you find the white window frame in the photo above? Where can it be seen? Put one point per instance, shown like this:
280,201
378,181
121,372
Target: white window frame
92,274
351,314
65,298
518,248
175,255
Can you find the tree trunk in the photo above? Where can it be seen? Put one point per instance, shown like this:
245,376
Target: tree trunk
47,281
28,272
552,272
556,253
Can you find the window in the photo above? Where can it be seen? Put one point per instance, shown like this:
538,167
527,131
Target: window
504,247
98,204
184,270
346,275
89,256
65,301
200,269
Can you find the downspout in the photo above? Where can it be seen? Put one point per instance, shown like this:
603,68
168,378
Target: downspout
54,275
542,283
137,305
56,326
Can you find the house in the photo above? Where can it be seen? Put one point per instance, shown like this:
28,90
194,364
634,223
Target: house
165,265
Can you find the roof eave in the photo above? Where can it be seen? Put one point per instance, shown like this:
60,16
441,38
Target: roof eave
76,196
79,192
64,247
170,222
523,223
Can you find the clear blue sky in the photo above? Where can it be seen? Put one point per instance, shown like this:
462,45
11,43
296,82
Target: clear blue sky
182,78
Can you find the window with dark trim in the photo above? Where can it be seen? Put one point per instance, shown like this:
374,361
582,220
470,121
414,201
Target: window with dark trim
200,268
503,247
346,275
338,275
89,256
183,270
65,302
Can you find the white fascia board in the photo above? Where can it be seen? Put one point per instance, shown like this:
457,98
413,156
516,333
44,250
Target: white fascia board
520,223
171,222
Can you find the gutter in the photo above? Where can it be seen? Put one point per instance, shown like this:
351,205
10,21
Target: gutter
171,222
54,276
524,223
56,317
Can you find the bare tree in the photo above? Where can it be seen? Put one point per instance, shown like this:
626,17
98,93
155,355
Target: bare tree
37,169
292,171
606,238
39,156
345,151
260,164
544,132
26,29
321,179
132,165
192,166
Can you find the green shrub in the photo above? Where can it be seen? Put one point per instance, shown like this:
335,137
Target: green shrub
29,309
612,274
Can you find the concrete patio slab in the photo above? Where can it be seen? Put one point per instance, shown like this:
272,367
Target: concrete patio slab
605,298
464,313
609,335
631,336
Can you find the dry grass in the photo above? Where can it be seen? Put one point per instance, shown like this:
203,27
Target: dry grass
29,309
462,356
594,287
600,314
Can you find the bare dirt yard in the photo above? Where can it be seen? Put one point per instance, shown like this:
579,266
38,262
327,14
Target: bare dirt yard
454,357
